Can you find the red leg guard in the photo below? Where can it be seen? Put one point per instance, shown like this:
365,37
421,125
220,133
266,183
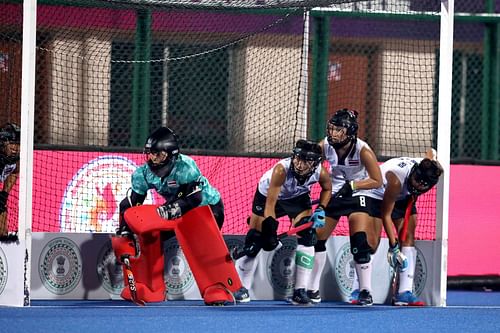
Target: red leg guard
208,257
203,246
147,268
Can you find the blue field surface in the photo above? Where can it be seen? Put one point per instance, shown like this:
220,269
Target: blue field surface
467,311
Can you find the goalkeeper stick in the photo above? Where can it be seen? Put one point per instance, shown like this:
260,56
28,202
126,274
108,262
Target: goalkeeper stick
131,282
292,231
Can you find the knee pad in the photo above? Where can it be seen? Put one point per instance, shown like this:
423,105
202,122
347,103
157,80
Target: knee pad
307,236
360,249
269,234
320,245
253,243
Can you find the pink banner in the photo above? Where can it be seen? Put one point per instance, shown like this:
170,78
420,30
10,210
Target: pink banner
474,227
81,191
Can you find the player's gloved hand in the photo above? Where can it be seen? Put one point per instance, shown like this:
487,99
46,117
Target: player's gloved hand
396,258
346,190
170,211
318,217
3,201
124,231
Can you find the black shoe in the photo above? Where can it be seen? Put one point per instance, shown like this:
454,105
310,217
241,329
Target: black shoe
365,298
300,297
241,295
314,296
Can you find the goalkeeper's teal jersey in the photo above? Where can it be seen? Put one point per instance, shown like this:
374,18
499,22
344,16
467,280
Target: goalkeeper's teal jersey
185,171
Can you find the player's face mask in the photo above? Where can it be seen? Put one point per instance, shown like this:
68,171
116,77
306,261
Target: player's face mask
12,149
303,167
156,158
10,152
424,176
337,135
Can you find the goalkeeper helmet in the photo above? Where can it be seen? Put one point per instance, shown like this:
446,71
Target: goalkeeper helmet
306,157
423,176
162,149
10,137
343,118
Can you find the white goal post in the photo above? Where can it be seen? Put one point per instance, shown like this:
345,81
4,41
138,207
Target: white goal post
16,258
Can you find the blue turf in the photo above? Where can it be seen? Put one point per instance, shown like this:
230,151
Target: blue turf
467,312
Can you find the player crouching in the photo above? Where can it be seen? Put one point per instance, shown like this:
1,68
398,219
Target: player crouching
193,208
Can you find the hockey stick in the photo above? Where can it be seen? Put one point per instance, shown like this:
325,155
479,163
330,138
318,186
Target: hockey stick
292,231
404,232
131,282
404,229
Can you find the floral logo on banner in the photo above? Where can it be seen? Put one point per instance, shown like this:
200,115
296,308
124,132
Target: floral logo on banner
92,198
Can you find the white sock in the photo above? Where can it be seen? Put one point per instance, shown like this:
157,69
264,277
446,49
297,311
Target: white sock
246,269
355,280
364,272
304,262
319,265
406,277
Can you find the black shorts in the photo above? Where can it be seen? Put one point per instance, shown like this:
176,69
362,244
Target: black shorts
397,213
338,207
290,207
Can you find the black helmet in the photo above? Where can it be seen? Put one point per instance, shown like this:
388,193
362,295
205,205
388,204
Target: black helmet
348,119
425,175
162,140
307,151
9,134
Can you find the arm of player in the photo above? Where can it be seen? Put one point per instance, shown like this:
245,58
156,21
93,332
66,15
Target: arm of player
394,256
7,187
393,188
374,180
190,196
278,178
133,199
325,195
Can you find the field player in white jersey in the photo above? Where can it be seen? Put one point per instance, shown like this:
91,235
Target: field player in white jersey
404,179
285,190
10,136
353,166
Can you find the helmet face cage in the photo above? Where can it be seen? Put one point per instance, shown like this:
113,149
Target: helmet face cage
10,134
162,140
349,120
423,176
307,151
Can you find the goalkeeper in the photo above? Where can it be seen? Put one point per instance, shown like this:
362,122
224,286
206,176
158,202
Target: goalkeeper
175,177
10,136
285,190
353,167
405,179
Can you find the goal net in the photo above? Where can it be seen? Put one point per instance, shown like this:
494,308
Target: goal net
238,81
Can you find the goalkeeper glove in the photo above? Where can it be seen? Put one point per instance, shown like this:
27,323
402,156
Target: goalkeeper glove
3,201
346,190
396,258
170,211
318,218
